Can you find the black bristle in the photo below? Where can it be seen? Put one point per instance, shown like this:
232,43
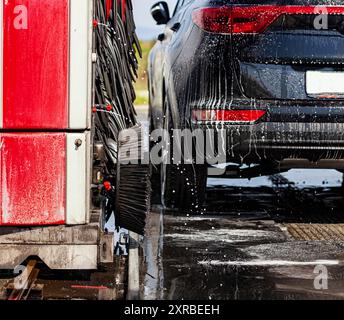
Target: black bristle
116,44
133,188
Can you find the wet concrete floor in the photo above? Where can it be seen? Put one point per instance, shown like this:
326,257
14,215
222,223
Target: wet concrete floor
247,243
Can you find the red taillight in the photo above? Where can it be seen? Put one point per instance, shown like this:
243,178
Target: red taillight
236,116
215,20
251,19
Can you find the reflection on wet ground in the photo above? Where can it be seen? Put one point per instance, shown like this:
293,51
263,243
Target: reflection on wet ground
269,240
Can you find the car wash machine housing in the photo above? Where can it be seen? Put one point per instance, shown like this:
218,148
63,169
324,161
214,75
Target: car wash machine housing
59,124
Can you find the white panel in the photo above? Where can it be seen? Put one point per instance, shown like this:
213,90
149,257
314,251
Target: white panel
1,61
80,63
324,82
78,182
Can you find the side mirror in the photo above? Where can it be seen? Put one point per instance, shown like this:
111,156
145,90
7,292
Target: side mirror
160,12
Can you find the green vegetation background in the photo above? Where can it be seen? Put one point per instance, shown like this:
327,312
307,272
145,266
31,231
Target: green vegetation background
141,85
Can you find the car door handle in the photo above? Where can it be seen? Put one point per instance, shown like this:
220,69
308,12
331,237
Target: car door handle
176,27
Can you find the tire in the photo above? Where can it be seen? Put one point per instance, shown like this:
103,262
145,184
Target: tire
155,172
169,173
183,186
194,188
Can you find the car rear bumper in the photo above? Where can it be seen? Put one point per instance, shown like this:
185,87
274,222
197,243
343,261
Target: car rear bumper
277,141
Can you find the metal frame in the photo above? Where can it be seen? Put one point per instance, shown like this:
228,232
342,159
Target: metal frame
80,247
80,244
80,64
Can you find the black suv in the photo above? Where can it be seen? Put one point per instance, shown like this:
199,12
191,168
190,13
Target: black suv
268,72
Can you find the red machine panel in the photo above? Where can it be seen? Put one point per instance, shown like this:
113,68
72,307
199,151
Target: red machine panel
35,64
33,178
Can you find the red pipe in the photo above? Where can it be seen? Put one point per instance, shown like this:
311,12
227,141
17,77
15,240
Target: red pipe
108,8
124,9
